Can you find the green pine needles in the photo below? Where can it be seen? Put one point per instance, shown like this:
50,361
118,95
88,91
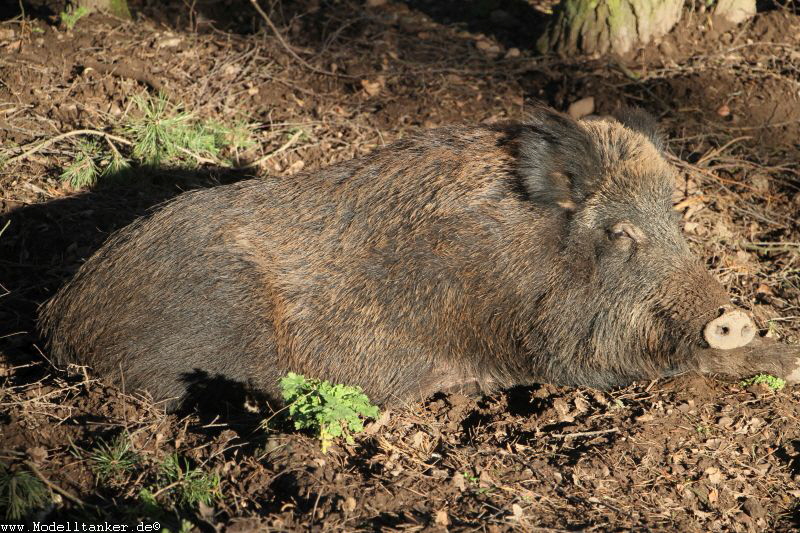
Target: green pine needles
163,133
20,493
329,411
158,133
188,485
112,460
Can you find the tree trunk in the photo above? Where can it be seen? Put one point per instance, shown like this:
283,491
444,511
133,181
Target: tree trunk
596,27
117,8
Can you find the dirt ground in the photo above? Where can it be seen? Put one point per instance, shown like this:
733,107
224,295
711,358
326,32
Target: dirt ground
687,454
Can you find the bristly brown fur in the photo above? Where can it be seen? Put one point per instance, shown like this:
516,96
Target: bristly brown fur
462,256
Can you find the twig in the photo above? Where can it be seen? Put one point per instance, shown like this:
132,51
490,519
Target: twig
286,146
8,223
584,433
48,142
56,488
314,510
200,158
288,47
170,486
716,151
771,247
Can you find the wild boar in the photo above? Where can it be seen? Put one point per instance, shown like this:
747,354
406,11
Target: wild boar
481,257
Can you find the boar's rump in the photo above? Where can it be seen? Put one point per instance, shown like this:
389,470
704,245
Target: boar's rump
466,257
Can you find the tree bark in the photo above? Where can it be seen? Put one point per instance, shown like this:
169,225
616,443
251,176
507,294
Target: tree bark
597,27
118,8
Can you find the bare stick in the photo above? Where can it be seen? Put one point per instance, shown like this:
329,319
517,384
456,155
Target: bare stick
288,47
200,158
584,433
54,487
44,144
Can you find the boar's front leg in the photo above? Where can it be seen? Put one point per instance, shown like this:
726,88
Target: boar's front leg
760,355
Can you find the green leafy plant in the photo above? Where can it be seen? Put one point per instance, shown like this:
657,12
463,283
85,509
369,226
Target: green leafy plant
20,492
189,485
71,16
111,460
772,382
328,410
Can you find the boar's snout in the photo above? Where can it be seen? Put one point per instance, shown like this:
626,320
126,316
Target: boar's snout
732,329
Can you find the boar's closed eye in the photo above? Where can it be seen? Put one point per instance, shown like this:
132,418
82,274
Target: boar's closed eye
625,230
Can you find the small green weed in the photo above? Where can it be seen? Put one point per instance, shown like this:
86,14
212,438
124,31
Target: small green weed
471,478
772,382
71,16
20,492
190,486
111,460
330,411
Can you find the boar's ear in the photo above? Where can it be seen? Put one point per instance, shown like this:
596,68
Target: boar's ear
558,163
639,120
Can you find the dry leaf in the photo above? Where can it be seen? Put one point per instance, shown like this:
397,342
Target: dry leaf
373,88
516,510
714,476
171,42
349,504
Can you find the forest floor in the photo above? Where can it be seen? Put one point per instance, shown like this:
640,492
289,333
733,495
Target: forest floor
685,454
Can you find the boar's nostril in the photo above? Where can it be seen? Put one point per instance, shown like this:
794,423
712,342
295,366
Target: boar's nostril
732,329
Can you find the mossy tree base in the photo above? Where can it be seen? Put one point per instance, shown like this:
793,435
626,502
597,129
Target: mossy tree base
118,8
596,27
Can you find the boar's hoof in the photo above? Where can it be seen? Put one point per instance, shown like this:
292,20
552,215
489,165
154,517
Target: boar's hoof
732,329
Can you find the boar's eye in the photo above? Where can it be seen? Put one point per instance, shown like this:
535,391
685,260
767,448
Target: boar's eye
624,230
